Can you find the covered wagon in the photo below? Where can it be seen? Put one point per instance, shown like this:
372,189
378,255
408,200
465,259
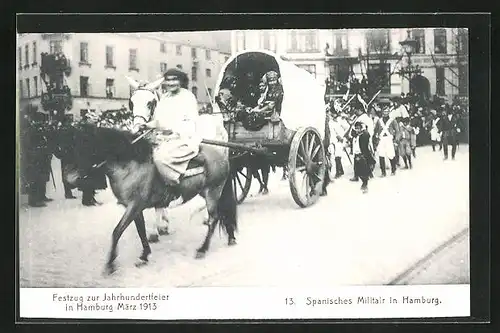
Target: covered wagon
287,131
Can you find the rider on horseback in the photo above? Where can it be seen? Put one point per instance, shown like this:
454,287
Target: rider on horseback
175,121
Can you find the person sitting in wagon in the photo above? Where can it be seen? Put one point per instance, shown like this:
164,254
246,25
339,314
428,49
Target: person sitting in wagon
272,97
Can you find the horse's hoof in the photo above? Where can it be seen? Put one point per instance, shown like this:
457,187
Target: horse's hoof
141,262
109,270
163,231
154,238
200,255
232,242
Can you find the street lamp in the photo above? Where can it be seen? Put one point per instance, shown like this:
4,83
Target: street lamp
409,46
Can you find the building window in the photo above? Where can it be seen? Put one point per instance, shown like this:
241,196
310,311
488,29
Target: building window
163,67
163,48
208,55
303,41
268,41
194,73
419,36
378,41
338,78
340,43
28,94
463,80
21,90
110,88
440,41
194,90
35,57
84,53
84,86
26,56
208,72
35,82
193,53
178,50
310,68
379,75
240,41
440,81
20,55
209,91
462,42
179,66
55,46
132,60
110,59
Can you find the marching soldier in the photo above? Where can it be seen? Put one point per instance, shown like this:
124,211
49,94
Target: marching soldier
363,157
337,142
405,150
449,129
387,133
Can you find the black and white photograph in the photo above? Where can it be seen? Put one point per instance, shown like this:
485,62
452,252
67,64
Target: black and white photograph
272,158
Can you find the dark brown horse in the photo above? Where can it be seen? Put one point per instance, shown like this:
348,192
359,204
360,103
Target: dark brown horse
137,184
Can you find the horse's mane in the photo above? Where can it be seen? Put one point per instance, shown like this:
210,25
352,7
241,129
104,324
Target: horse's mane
115,145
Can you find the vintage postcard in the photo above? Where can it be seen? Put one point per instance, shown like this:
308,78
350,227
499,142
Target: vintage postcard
244,174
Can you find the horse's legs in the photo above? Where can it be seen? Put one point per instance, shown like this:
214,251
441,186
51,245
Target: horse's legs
213,219
265,178
164,223
141,230
256,175
159,227
125,221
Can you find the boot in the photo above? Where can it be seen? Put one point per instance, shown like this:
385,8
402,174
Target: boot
405,160
382,166
393,166
409,162
339,170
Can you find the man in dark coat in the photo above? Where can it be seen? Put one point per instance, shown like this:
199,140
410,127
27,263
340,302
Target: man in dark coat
96,180
37,159
449,128
363,156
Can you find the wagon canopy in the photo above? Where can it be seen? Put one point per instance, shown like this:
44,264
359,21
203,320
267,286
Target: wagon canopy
303,96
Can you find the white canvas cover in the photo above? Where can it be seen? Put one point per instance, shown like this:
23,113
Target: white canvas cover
303,96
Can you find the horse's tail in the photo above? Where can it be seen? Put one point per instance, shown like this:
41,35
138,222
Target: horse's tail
227,207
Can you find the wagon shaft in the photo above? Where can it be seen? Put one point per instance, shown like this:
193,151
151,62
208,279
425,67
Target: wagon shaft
238,146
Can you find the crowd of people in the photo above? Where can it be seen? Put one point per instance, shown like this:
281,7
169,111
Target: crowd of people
37,137
392,130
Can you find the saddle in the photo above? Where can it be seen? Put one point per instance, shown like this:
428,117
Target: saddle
195,166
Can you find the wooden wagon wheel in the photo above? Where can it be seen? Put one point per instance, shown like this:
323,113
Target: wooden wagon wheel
242,181
307,166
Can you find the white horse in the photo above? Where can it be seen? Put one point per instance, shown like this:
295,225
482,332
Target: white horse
142,103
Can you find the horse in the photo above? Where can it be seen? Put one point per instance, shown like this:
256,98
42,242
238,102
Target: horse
137,184
142,103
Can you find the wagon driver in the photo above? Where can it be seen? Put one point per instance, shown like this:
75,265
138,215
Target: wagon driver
175,117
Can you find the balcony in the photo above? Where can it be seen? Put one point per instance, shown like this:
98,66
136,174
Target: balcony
57,35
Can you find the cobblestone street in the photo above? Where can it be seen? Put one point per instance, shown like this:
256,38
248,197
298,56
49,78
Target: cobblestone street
346,238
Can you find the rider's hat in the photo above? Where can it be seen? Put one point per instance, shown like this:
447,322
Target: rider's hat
177,73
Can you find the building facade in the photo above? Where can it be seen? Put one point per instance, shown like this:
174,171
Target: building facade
100,61
374,54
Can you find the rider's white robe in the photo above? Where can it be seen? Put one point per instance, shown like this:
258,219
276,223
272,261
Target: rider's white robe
178,113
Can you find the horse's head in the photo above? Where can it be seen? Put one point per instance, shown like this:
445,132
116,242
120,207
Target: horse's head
143,100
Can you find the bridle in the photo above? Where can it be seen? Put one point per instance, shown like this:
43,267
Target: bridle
151,107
